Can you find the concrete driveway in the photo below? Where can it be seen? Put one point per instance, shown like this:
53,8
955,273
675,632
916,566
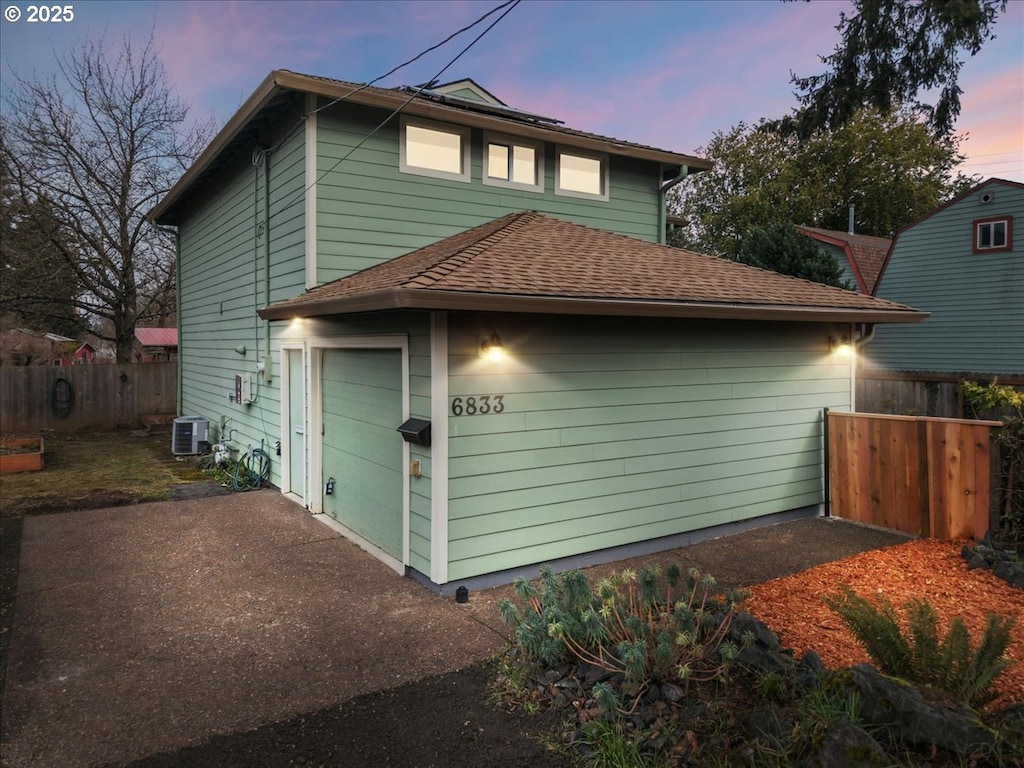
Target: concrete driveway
147,628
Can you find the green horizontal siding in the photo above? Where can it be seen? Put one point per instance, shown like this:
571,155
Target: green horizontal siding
618,431
976,299
368,211
223,282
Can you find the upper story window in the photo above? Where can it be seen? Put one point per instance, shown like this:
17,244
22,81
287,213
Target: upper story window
993,234
435,149
515,163
581,174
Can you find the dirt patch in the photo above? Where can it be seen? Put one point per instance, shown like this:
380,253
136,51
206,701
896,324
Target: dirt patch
929,569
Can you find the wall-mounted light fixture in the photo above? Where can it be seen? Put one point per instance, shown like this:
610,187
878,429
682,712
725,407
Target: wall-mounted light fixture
240,349
492,349
841,346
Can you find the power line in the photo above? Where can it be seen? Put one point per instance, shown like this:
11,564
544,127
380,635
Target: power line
509,7
417,57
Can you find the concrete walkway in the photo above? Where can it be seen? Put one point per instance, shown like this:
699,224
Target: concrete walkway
149,628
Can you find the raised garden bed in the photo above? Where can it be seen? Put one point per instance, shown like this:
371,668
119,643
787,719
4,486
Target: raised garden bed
21,454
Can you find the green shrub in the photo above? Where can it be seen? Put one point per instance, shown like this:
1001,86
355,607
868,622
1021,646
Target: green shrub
951,664
646,626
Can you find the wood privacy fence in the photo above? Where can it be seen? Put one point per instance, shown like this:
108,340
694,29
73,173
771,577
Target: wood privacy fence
926,476
35,398
921,393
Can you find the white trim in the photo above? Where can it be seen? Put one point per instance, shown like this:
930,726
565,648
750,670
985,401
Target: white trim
605,172
511,142
311,192
439,447
316,346
462,131
287,420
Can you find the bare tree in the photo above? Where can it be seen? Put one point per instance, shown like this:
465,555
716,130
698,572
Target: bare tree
101,141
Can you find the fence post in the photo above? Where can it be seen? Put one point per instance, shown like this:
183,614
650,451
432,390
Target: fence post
924,477
828,464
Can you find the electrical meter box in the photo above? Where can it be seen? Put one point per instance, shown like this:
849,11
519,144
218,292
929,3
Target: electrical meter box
244,388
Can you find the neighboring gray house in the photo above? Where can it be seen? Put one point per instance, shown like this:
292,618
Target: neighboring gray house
860,256
441,259
963,263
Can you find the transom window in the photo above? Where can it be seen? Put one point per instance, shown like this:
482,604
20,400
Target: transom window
993,234
435,149
514,163
581,174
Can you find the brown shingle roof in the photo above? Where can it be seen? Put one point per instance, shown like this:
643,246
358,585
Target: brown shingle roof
529,262
865,253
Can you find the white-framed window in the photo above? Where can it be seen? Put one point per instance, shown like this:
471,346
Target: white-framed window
994,234
434,149
513,162
581,174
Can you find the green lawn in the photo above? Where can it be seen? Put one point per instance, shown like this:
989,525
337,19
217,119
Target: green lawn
97,469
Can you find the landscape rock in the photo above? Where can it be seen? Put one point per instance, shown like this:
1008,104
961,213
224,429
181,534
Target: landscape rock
743,622
890,703
848,746
810,670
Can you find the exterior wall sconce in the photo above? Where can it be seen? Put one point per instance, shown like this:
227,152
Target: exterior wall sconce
841,346
492,349
240,349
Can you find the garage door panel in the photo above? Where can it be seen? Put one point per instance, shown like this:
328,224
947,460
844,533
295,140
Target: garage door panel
362,450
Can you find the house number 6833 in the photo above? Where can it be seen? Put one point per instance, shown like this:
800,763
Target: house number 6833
478,405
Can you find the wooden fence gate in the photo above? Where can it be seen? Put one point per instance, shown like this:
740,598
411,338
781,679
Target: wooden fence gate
926,476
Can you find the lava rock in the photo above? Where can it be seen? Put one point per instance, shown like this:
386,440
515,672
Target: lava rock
847,746
891,703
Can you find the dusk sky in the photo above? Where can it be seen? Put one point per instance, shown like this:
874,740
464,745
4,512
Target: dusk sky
662,73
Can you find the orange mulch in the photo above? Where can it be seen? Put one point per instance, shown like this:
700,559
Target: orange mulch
924,568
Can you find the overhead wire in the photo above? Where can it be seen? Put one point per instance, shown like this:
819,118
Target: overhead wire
415,58
509,7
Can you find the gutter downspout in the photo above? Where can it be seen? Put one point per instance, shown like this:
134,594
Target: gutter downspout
266,253
867,333
684,171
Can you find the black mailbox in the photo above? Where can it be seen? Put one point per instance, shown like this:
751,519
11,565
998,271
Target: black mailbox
416,431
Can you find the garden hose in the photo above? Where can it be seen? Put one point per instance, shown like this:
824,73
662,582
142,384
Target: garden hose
252,470
62,397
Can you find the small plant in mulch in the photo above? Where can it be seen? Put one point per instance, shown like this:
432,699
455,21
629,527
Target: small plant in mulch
952,664
656,668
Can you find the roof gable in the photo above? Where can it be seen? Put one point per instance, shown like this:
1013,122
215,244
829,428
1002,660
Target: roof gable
993,182
529,262
467,88
865,253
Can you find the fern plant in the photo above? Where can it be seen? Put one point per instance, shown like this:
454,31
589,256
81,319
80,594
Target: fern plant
953,664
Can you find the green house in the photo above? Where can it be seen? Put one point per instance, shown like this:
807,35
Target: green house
964,264
453,327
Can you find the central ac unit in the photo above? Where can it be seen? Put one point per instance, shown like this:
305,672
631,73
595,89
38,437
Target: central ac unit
188,435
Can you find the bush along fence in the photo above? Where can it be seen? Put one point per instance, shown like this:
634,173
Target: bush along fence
1008,487
68,398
